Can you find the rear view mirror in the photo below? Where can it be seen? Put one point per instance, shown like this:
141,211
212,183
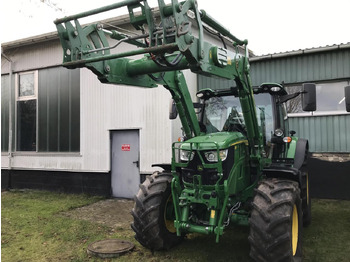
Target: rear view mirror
172,110
347,98
308,97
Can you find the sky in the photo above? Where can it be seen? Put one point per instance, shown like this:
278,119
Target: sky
271,26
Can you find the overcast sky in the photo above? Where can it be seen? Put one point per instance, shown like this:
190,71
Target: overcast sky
271,26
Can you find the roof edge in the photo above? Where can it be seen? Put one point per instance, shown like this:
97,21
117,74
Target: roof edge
301,52
119,20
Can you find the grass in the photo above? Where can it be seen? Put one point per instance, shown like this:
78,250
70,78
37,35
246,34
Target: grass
328,236
33,229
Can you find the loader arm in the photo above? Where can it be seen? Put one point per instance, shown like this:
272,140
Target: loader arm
168,47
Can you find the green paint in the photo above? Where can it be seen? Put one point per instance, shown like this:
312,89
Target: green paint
228,165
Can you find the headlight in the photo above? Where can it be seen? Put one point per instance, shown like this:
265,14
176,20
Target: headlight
212,156
186,155
278,132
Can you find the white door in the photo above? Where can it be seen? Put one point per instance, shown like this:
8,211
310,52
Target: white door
125,163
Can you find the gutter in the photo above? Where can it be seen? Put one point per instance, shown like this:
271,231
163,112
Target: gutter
300,52
120,20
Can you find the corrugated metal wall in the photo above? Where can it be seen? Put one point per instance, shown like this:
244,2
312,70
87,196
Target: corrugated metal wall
117,107
214,83
34,56
325,133
329,133
307,67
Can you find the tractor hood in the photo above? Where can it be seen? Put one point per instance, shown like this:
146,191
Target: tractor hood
210,141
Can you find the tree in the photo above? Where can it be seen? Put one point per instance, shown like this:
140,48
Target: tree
294,105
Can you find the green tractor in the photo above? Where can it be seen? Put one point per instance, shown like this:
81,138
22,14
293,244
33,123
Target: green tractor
238,162
214,180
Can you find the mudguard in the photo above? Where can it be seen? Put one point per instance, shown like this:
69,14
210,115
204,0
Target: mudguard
293,173
166,166
301,153
285,172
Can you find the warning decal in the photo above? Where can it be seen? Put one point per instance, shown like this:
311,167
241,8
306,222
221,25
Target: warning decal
125,147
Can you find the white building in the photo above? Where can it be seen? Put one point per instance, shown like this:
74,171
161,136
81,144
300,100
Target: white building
69,132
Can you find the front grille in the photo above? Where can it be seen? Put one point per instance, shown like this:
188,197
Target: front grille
209,176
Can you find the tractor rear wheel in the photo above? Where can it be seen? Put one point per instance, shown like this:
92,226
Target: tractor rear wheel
306,200
276,222
153,213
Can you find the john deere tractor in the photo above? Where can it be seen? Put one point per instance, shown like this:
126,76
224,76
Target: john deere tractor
238,162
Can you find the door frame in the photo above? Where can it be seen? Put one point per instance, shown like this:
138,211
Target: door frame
139,129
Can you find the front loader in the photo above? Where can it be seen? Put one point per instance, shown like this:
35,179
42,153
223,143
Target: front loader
238,162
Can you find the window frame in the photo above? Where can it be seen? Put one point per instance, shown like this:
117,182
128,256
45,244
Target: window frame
36,84
19,98
320,113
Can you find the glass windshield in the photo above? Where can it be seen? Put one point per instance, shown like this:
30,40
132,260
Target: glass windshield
225,114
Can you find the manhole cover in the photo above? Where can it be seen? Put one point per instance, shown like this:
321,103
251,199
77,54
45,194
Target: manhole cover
109,248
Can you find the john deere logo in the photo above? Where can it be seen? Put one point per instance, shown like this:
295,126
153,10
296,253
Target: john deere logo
200,168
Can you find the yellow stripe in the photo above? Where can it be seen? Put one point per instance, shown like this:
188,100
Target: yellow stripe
240,142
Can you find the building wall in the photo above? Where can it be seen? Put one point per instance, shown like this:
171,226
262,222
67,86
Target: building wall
103,108
111,107
35,56
302,66
327,133
329,68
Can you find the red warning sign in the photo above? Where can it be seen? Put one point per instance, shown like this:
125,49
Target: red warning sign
125,147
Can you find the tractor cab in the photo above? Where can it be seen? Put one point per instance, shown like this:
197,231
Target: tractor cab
222,112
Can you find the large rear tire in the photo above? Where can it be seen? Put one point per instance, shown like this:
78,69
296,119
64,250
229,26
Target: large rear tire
301,160
306,200
276,222
153,213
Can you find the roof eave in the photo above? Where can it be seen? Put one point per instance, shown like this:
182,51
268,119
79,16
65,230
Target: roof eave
300,52
120,20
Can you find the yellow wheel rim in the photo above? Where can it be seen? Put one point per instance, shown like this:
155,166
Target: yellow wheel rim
307,188
295,229
169,223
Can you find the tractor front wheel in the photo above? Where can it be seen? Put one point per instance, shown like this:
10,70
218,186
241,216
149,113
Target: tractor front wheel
153,213
276,222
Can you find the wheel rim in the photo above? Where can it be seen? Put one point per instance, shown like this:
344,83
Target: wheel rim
307,188
168,212
295,229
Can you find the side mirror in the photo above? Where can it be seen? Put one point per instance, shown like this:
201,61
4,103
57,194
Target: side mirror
347,98
172,110
308,97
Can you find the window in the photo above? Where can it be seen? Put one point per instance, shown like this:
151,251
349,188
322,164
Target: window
5,98
26,96
264,112
329,97
47,110
224,113
59,110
